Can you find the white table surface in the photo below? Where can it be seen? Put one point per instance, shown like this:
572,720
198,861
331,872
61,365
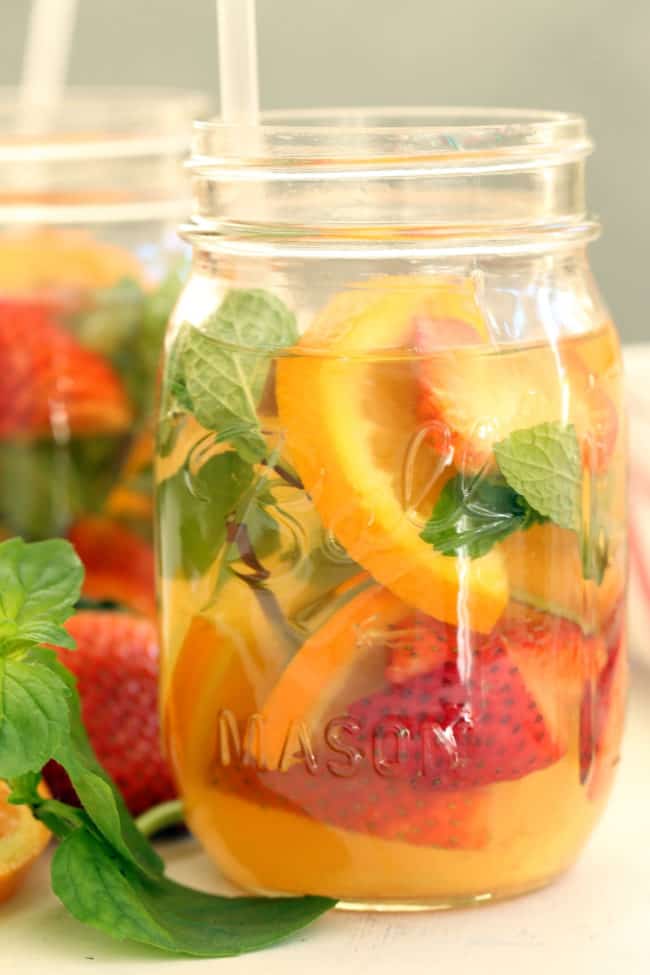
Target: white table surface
595,921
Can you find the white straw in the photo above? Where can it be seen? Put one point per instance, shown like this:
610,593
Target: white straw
45,63
238,61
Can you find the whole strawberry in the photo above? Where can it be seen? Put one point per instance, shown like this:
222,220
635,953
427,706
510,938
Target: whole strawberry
116,665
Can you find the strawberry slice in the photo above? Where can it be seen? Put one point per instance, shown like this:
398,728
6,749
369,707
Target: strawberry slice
470,397
457,716
119,564
419,644
472,719
424,749
385,807
51,385
602,713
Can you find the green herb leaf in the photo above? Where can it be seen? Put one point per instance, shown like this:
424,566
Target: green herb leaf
104,871
473,514
112,320
224,364
33,716
101,800
39,585
195,509
543,464
100,889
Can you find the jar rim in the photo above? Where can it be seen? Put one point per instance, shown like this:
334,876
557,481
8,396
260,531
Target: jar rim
321,136
99,123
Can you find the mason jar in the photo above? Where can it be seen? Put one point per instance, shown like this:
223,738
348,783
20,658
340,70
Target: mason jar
391,507
90,267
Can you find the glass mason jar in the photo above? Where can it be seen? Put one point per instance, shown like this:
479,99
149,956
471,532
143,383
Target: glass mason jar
391,507
90,267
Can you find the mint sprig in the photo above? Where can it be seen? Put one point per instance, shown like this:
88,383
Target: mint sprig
474,513
219,371
538,479
543,465
105,872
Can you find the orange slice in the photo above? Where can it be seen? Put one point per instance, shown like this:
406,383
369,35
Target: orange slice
545,571
119,564
228,658
22,839
475,397
347,403
347,655
60,260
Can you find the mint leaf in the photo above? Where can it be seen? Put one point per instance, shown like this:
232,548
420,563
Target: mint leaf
543,464
113,318
101,800
194,509
33,715
100,889
224,365
473,514
142,359
104,871
50,494
39,585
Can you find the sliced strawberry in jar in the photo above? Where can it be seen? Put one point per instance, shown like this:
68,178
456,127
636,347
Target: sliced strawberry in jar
473,720
376,805
51,385
511,694
602,713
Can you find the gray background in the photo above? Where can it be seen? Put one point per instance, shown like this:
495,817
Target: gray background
591,56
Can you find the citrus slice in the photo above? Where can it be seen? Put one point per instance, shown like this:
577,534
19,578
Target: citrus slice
119,564
477,396
545,571
347,402
227,658
347,655
55,260
22,839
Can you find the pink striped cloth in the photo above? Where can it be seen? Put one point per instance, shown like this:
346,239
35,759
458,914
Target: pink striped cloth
637,380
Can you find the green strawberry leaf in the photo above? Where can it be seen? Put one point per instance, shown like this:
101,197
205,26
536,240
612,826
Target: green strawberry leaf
34,718
100,889
543,465
39,585
474,514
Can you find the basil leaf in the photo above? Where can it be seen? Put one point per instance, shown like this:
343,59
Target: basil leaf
474,514
39,585
100,889
543,464
34,719
224,365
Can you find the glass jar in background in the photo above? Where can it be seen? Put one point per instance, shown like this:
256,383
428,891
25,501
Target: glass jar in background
391,507
90,267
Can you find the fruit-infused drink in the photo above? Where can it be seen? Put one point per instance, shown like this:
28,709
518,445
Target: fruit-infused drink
89,271
391,524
